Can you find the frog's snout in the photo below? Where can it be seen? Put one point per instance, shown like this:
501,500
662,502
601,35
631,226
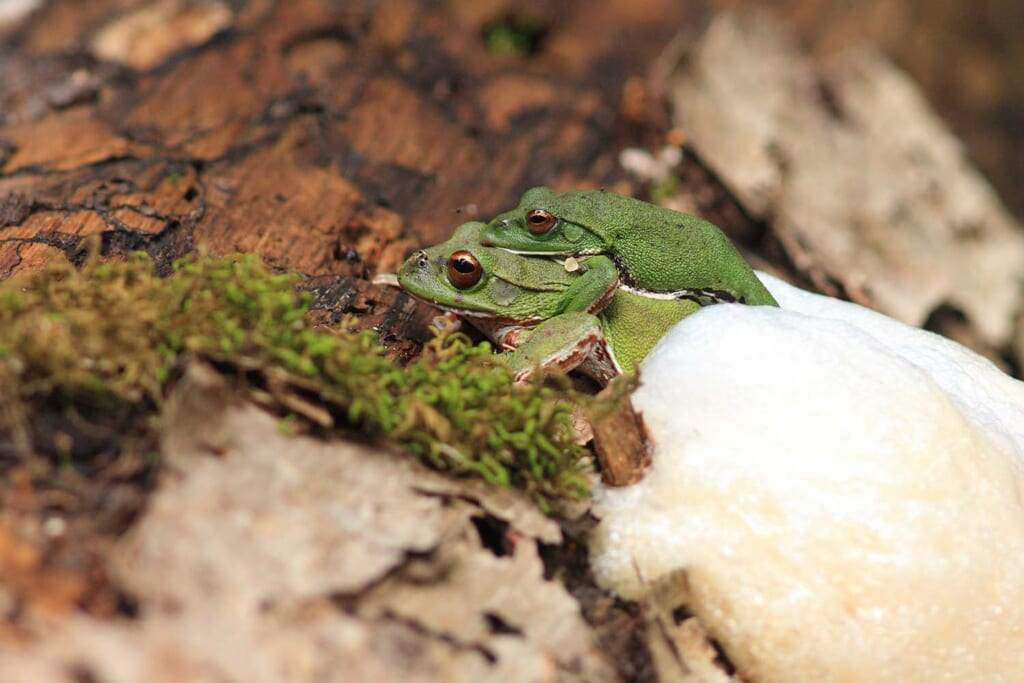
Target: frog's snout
414,266
417,264
496,228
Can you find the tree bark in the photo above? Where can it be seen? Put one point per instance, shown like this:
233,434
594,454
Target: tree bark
330,138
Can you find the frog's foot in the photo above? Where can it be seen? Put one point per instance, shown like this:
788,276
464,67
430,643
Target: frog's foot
511,338
565,342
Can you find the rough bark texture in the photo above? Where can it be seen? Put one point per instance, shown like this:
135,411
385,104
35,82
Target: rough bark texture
622,445
329,138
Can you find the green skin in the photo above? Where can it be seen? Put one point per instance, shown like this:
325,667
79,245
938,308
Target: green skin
537,308
655,249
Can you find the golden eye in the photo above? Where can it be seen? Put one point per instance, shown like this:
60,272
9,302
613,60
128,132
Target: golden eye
464,270
539,221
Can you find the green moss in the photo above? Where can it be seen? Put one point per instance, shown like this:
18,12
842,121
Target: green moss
514,36
109,336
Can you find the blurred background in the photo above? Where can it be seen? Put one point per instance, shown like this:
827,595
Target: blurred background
967,55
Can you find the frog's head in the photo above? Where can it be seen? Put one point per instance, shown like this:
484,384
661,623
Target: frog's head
469,279
546,222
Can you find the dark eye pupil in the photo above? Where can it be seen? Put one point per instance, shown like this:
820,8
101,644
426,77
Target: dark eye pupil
539,222
464,270
463,265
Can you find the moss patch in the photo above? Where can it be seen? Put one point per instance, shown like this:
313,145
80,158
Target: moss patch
514,36
101,344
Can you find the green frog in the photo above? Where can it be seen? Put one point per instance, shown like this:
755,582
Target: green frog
654,249
546,312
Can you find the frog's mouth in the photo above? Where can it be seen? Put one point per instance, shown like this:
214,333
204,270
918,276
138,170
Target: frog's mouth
465,310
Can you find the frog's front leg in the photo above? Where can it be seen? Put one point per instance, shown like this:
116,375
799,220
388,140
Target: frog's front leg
567,342
593,289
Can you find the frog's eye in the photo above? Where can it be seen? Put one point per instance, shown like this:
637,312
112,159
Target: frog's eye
539,221
464,270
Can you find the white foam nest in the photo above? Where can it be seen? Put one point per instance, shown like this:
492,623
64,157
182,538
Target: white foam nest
843,491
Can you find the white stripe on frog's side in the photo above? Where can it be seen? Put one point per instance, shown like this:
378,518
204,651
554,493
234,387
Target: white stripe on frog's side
520,252
704,297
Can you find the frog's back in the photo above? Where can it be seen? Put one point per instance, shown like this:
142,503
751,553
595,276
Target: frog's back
662,250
